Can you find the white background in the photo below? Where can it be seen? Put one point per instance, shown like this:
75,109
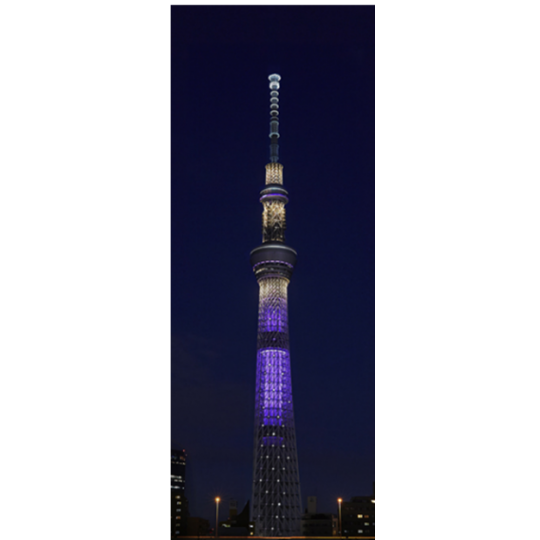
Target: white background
85,226
457,270
85,270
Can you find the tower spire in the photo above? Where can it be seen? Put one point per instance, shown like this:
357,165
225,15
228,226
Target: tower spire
274,117
276,498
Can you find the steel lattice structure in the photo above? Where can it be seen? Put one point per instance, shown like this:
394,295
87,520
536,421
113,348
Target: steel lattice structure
276,499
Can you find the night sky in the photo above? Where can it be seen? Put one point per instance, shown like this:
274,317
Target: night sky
221,59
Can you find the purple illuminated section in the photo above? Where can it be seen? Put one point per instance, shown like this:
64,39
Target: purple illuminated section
273,389
273,315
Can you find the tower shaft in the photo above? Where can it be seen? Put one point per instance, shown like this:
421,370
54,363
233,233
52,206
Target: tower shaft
276,499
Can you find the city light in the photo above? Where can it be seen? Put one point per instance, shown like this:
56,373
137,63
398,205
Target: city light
217,514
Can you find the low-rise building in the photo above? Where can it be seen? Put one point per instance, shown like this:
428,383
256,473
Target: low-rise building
358,516
197,527
237,524
317,524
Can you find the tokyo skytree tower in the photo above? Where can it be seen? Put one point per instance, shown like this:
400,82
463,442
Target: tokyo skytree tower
276,499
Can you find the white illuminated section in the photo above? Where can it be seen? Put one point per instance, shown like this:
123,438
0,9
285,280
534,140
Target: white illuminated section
274,173
273,220
274,81
274,110
273,290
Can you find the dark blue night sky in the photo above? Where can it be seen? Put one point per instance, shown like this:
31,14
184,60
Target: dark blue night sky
221,59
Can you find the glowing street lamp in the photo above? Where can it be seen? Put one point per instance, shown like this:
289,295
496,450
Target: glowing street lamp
217,514
340,500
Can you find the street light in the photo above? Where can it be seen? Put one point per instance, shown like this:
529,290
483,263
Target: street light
339,505
217,514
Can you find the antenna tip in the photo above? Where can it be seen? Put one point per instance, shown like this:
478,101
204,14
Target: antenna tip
274,81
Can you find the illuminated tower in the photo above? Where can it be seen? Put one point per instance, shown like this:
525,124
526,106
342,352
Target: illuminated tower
276,507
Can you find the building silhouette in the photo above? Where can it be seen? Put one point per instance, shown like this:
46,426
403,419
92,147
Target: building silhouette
197,526
238,524
317,524
276,486
358,516
179,503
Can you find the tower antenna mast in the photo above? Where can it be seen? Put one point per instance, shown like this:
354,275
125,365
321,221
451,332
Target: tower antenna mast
274,117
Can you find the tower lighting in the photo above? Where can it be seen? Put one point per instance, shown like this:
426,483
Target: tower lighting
276,496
